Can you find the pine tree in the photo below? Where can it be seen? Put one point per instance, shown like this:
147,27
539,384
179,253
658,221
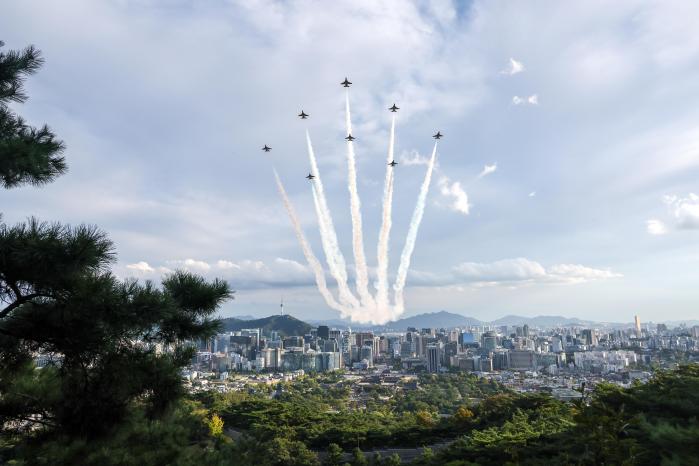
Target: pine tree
27,155
112,345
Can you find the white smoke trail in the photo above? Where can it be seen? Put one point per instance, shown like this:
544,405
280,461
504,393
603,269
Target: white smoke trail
355,208
306,248
385,232
333,254
412,236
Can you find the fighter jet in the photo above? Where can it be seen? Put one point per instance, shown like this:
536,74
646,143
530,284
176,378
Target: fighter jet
350,138
393,163
393,108
310,177
303,115
345,83
438,135
266,149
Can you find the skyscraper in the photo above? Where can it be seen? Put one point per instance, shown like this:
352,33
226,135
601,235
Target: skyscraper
433,359
323,332
637,321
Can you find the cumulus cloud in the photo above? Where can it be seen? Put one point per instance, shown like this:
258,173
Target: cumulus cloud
244,274
191,265
458,199
522,271
514,67
144,269
141,267
684,211
487,170
531,100
656,227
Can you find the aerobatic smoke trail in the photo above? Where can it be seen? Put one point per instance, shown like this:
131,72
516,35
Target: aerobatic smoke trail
364,307
412,235
306,248
385,232
355,208
334,257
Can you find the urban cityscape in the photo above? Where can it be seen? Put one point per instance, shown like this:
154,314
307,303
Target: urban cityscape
558,361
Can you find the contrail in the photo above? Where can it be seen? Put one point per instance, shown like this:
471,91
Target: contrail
334,257
306,248
412,235
385,232
355,208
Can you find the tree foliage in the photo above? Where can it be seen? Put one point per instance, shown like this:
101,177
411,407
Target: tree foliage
27,155
110,348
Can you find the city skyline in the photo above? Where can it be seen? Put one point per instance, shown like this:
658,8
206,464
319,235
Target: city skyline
565,184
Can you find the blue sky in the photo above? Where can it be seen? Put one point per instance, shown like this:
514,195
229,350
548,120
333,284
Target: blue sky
586,114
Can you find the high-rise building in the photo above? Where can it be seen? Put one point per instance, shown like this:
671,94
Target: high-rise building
489,341
323,332
637,322
522,360
590,336
367,353
433,358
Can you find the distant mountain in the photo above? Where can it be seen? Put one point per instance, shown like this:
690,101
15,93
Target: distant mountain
245,317
433,320
540,321
285,325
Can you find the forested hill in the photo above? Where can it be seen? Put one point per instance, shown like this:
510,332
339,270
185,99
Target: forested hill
285,325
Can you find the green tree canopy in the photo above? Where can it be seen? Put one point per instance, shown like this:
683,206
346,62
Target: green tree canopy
27,155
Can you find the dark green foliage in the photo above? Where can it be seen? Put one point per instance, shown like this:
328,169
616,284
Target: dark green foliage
445,393
27,155
285,325
115,348
655,423
334,455
180,438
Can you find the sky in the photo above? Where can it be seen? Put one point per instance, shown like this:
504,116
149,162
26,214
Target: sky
567,180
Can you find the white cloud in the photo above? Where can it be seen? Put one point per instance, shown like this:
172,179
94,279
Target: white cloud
532,194
576,273
456,194
531,100
503,270
684,210
244,274
656,227
191,265
487,170
514,68
522,270
141,267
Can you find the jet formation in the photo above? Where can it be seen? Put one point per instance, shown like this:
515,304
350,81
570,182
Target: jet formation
347,83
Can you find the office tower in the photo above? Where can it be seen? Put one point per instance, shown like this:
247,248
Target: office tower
323,332
433,360
637,321
489,341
